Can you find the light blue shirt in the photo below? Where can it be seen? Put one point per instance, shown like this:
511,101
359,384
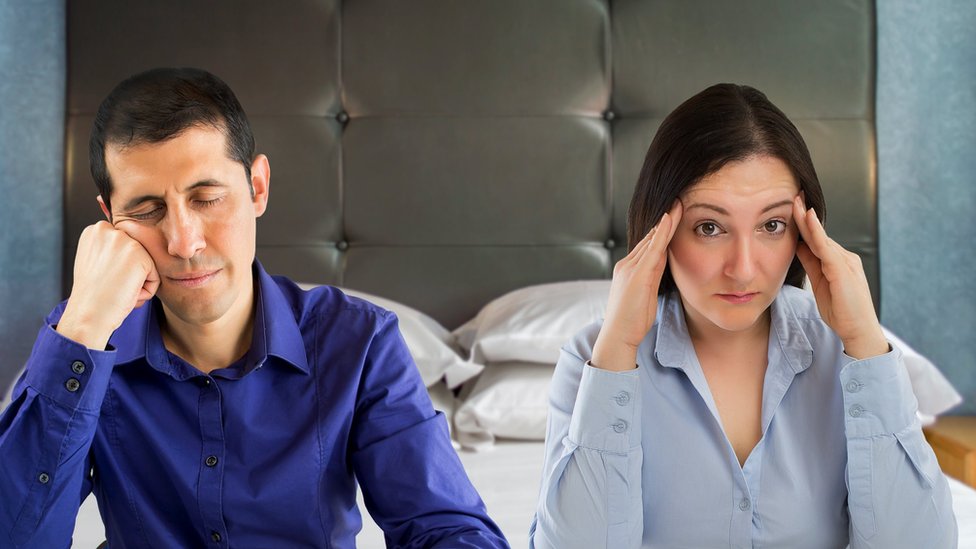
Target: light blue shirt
640,459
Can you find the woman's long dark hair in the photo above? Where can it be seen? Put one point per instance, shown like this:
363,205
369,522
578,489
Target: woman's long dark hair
724,123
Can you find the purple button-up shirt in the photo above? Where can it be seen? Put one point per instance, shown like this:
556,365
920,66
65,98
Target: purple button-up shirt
263,453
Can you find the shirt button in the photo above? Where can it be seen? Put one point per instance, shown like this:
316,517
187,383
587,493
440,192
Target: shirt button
78,367
215,536
856,410
622,398
853,386
72,385
204,382
43,478
620,426
744,504
211,461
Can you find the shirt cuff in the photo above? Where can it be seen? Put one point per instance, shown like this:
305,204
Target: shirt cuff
67,372
607,412
878,397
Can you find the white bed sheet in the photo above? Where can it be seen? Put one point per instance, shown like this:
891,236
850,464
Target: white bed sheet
507,477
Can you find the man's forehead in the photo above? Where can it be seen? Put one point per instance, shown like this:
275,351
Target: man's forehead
194,155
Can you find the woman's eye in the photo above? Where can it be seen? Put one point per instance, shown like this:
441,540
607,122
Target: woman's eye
774,227
707,229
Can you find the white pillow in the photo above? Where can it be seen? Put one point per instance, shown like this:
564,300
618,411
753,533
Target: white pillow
934,392
508,400
532,323
429,343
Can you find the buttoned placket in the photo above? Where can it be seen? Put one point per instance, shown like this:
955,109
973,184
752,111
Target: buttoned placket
211,463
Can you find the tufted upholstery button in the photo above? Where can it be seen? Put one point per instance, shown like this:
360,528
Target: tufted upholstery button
342,245
609,115
78,367
856,410
610,244
342,117
620,426
72,385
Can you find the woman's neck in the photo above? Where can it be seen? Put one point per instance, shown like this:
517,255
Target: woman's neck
709,338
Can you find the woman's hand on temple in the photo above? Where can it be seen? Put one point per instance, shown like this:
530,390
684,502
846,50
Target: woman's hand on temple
632,306
839,285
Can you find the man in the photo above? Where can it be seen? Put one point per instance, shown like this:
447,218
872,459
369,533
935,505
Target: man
205,402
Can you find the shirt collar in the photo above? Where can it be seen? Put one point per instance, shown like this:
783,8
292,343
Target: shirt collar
276,333
673,341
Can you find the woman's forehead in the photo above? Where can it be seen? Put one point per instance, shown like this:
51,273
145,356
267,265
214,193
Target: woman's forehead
751,179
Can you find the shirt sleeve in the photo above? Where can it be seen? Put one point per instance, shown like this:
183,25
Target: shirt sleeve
897,495
45,436
591,486
414,485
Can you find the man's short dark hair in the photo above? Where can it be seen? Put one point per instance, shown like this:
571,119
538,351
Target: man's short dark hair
160,104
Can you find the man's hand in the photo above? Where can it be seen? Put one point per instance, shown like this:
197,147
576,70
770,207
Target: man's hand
632,307
840,286
113,274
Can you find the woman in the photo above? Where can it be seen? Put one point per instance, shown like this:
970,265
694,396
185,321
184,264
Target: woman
719,404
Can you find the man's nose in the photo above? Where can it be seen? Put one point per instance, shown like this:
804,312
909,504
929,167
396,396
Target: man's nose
184,235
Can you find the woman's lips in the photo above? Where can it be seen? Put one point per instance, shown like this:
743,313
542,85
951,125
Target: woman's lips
738,298
193,280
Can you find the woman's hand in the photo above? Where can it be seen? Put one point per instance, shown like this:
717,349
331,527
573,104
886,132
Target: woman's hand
840,287
632,307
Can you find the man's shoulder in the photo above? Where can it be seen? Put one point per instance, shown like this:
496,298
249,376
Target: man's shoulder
327,302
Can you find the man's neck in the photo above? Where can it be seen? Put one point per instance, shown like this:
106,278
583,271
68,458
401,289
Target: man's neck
213,345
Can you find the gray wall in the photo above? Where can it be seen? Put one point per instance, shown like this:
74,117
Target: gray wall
926,122
32,56
926,127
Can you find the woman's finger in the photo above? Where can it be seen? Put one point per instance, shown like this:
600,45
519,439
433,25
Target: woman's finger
811,264
657,243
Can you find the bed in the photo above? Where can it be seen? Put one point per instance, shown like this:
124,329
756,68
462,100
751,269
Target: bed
445,159
494,394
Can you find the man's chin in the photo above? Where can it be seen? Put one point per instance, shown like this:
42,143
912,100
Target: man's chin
191,309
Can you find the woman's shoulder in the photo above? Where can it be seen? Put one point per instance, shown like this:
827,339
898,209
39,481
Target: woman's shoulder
581,344
801,305
801,302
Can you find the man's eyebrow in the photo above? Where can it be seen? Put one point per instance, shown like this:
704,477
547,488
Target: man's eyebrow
132,204
723,211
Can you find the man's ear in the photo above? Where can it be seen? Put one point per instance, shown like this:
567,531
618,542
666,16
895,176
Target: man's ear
260,184
101,203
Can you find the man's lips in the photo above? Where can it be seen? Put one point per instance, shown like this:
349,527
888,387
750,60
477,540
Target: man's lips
194,279
738,297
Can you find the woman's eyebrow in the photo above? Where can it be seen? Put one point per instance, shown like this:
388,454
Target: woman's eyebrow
775,205
723,211
718,209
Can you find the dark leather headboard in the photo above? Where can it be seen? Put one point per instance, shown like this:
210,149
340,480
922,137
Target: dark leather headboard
443,152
